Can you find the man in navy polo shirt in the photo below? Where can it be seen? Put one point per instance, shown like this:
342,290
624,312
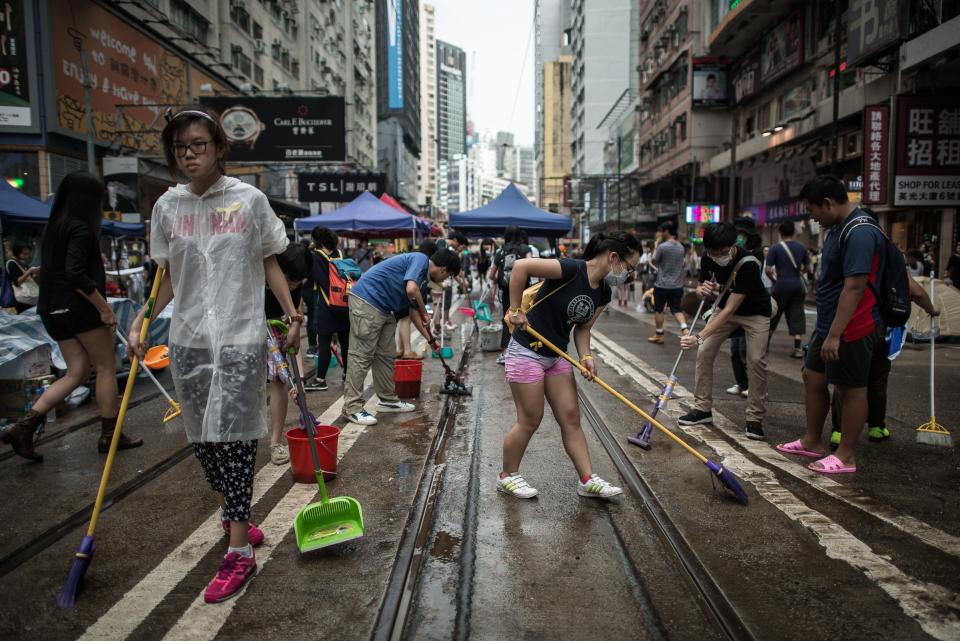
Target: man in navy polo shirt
848,329
389,289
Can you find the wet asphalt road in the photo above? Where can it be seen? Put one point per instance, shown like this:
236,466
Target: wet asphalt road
870,556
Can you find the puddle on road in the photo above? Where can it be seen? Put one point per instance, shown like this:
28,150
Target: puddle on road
446,547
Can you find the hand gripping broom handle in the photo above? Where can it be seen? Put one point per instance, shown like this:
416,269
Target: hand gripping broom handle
127,392
621,397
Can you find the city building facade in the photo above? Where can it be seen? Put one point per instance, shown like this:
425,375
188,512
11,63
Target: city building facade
451,139
427,165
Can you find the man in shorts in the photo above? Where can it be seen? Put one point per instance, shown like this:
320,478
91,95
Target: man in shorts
669,259
849,329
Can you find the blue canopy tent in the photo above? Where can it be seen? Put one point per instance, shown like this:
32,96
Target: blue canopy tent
369,217
17,208
511,208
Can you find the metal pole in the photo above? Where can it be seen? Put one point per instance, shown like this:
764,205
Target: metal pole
619,188
838,18
88,108
733,166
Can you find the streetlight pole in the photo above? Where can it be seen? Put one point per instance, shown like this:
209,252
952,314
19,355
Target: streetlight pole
619,188
87,99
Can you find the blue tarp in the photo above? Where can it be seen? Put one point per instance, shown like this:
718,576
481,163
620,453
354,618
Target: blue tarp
19,208
366,216
511,208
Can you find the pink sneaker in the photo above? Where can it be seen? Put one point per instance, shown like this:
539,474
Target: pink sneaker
254,534
233,574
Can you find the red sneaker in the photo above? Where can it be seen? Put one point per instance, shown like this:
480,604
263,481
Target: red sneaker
254,534
233,574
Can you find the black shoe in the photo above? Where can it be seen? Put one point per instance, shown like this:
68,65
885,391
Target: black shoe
316,385
22,435
755,431
107,427
312,351
695,417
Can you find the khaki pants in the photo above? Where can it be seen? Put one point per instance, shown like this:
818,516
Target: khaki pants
757,331
372,342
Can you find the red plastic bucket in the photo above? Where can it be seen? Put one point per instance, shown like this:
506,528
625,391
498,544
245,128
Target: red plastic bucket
301,461
406,378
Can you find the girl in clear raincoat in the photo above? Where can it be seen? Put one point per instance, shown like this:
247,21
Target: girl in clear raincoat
218,238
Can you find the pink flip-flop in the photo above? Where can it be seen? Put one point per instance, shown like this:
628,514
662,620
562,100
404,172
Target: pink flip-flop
832,465
796,448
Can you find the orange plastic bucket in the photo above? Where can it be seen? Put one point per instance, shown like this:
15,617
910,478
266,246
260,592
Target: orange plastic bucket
301,461
406,378
157,357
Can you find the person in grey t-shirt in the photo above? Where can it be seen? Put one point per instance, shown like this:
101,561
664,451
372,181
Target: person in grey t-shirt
670,261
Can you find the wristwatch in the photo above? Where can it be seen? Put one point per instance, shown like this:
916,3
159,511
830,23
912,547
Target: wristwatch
242,127
296,318
699,340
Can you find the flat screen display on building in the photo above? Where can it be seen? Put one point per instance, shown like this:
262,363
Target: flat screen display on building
702,214
710,86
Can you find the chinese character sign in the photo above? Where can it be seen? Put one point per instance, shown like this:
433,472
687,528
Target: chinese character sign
876,127
928,151
14,70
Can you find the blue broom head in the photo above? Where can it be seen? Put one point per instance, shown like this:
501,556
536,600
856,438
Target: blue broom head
729,481
68,595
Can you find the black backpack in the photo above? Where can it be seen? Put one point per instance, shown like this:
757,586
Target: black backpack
509,254
892,289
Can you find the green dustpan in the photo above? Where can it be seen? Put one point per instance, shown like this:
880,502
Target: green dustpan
329,521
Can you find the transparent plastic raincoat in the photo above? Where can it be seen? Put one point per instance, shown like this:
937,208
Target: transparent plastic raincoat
214,246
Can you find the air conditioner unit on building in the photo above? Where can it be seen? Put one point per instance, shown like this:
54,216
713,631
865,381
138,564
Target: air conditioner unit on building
259,46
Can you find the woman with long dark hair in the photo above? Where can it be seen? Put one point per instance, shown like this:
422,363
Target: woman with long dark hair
572,297
21,275
485,259
74,311
330,320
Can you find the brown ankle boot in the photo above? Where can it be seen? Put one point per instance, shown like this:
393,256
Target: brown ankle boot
21,435
107,425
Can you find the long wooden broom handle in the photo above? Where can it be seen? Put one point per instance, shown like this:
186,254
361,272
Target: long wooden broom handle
625,400
127,392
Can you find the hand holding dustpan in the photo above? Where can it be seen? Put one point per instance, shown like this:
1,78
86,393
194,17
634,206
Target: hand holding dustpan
332,520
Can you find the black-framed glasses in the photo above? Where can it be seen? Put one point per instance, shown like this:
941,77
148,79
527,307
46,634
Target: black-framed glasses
197,148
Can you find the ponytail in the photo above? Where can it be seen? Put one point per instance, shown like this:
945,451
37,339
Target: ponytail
621,243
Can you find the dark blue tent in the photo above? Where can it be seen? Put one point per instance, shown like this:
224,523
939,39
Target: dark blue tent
511,208
17,208
366,216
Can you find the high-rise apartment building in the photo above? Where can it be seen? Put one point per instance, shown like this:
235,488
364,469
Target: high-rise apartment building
427,165
552,42
600,46
398,95
554,159
451,101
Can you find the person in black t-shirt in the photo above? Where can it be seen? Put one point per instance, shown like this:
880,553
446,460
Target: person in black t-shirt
745,306
514,248
572,297
295,264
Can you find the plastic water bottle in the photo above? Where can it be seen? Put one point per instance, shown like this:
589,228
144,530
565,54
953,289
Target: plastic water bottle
52,414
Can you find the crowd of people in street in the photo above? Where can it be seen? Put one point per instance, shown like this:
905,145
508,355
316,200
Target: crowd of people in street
226,259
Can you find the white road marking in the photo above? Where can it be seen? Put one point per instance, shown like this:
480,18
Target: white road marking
933,607
910,525
127,613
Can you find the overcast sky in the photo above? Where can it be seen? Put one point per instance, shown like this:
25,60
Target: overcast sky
496,31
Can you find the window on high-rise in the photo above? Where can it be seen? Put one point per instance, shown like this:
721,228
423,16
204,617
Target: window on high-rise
191,22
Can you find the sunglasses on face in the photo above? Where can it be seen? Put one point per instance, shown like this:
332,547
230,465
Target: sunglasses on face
197,148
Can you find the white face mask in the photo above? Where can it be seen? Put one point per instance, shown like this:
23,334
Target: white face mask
723,261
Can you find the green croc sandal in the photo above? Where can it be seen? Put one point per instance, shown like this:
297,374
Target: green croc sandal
878,434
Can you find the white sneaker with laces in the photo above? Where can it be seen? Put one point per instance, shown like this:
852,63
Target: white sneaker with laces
596,487
734,389
363,417
279,454
514,485
395,406
502,359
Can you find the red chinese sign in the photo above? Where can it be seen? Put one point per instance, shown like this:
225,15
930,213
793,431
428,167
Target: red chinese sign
928,151
876,138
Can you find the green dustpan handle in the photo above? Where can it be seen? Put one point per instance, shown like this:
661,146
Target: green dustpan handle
305,417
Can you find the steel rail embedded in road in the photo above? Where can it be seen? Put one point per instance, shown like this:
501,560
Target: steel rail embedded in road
723,612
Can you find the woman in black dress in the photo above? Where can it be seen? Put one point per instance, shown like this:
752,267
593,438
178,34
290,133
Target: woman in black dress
74,311
330,320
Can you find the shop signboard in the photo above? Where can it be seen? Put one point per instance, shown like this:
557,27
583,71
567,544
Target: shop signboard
710,85
796,102
338,188
876,139
927,151
785,210
127,67
746,76
701,214
395,54
782,49
873,26
768,182
17,82
282,128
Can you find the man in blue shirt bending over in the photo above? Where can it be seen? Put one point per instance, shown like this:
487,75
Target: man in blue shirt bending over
383,293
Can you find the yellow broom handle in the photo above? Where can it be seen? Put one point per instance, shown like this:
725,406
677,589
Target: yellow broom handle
620,396
127,392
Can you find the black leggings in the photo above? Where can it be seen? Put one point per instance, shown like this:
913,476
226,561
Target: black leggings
324,352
